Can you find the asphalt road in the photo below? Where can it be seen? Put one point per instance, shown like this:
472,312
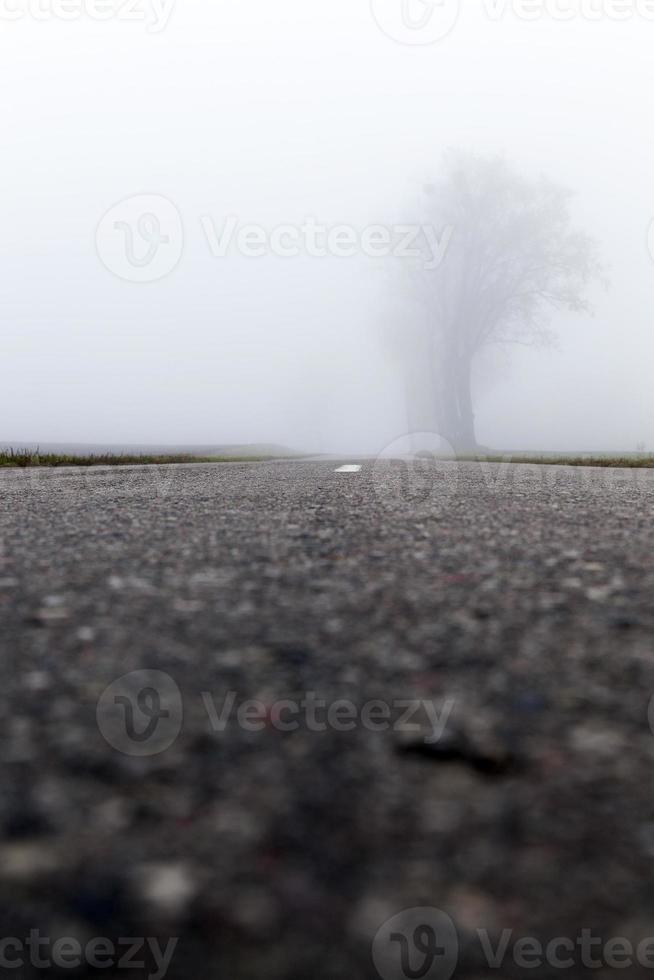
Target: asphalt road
449,671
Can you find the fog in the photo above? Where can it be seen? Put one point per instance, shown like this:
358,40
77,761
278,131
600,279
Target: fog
270,113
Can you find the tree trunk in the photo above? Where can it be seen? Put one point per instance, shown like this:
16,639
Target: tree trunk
467,439
456,414
449,409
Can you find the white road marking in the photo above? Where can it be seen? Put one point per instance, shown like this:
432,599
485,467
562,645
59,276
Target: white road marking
349,469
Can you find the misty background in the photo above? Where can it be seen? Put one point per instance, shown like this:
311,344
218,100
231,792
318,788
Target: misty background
272,112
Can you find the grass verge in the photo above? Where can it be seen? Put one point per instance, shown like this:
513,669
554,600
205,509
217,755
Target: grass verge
634,461
23,458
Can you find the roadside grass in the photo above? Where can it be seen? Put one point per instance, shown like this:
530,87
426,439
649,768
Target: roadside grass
25,458
630,461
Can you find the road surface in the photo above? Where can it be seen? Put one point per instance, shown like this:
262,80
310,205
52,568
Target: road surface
264,709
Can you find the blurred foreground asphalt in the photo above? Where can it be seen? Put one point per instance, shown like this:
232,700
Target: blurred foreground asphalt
449,668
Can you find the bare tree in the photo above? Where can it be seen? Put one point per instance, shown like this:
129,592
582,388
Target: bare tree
513,260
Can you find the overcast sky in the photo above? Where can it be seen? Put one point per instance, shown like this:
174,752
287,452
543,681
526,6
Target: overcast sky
270,112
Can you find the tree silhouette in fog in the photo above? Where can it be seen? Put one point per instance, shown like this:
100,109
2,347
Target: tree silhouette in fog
512,261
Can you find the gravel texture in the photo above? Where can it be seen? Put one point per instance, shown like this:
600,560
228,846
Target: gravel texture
515,601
